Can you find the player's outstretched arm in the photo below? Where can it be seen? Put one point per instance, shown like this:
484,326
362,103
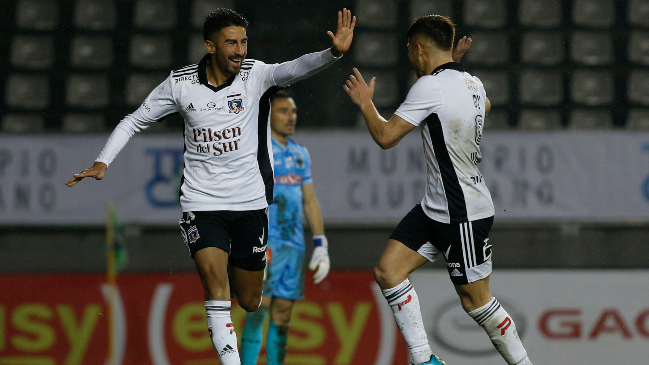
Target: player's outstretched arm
342,40
97,171
385,133
463,45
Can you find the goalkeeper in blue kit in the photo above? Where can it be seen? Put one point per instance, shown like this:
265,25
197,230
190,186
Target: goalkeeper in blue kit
293,197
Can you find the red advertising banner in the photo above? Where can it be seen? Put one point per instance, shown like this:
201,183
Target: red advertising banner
62,319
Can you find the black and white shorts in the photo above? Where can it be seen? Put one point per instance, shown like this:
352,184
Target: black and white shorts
465,246
242,234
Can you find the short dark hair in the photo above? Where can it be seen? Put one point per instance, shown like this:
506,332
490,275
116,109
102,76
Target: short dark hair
222,18
438,28
281,94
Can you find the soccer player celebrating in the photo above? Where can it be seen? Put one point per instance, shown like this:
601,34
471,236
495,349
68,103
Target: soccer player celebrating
293,196
455,215
227,181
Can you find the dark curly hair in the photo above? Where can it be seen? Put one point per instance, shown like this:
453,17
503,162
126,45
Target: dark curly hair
438,28
222,18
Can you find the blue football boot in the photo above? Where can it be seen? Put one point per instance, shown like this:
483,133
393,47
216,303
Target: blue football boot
434,360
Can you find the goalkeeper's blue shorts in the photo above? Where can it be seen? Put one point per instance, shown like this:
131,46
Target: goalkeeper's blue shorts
284,272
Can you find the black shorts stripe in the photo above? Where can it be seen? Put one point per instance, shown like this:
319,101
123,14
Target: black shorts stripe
452,188
263,158
472,243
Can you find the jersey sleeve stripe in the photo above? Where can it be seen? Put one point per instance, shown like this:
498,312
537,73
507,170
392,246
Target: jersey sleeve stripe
186,67
187,72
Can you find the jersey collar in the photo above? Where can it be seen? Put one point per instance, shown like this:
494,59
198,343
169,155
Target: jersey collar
450,66
202,76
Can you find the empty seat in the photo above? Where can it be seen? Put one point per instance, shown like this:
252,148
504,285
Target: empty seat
419,8
592,48
377,13
91,51
37,14
83,123
376,49
27,91
88,91
150,51
592,87
496,84
541,87
531,119
638,13
138,87
593,13
583,119
95,14
638,87
32,52
638,119
542,48
540,13
484,13
201,8
498,119
155,14
23,123
387,87
196,48
638,50
489,49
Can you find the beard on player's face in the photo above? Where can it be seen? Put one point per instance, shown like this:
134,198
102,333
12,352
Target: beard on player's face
230,63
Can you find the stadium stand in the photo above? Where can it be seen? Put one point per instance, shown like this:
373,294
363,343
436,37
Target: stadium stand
576,57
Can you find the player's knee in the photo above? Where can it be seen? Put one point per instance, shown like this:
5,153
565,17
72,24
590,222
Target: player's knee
473,300
250,302
382,276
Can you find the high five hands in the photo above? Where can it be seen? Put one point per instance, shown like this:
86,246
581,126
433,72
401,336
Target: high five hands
341,41
360,92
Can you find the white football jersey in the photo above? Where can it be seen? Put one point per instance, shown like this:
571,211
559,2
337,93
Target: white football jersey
449,107
228,152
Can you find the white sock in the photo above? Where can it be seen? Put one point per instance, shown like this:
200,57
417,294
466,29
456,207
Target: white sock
502,331
222,332
405,305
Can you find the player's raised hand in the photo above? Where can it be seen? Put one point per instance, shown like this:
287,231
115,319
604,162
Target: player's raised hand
358,90
463,45
97,171
341,41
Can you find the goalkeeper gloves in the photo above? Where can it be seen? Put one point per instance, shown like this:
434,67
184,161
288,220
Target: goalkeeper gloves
320,260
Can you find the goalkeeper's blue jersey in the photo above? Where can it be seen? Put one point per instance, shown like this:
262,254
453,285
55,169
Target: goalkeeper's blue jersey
292,170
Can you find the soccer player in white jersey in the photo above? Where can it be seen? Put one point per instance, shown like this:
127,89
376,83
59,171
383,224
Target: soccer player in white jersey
454,217
227,181
294,198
